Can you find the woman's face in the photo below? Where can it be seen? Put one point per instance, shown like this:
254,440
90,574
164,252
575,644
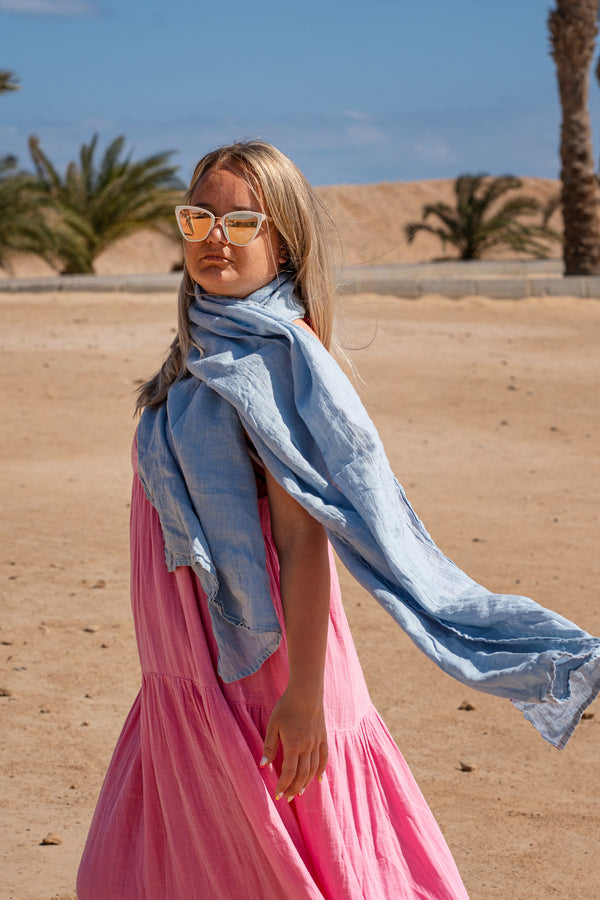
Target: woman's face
218,266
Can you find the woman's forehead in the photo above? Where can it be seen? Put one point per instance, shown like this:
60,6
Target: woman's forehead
227,185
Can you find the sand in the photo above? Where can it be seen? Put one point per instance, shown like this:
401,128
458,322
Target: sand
489,412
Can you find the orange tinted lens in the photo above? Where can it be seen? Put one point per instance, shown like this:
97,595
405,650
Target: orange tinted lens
195,224
241,227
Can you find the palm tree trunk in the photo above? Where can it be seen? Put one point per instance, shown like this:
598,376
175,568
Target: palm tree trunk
573,32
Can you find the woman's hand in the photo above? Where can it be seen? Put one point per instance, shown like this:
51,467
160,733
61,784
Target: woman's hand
299,723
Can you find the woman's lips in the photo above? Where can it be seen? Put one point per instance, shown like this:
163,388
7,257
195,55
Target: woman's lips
213,257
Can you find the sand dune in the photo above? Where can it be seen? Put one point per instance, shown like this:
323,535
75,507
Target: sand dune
370,219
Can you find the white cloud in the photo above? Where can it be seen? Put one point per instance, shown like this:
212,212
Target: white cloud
434,149
362,129
48,7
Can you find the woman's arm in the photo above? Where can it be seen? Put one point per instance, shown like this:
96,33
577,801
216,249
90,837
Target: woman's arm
298,720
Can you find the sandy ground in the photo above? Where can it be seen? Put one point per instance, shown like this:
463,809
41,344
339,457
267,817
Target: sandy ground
489,411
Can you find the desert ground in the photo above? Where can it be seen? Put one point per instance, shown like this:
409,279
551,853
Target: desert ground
489,413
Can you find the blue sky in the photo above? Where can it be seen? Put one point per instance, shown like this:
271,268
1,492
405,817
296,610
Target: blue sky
377,90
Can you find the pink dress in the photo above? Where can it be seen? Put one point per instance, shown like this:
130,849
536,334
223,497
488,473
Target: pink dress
185,812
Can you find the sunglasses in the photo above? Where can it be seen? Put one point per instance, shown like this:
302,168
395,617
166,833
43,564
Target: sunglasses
239,227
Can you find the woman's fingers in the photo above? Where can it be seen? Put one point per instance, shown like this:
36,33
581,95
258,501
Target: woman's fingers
271,743
302,736
300,771
293,776
323,756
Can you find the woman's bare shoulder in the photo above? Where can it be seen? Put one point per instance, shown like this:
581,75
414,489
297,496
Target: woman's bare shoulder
304,324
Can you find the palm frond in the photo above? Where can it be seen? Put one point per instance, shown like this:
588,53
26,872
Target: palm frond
48,177
479,220
8,81
97,203
22,224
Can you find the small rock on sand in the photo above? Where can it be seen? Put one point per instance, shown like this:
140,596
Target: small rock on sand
51,839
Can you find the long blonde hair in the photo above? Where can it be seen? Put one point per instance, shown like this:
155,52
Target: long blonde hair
305,230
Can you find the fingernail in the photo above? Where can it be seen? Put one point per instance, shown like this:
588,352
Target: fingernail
301,792
321,778
278,796
264,761
289,799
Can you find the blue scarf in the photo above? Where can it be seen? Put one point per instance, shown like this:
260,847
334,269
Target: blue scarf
257,371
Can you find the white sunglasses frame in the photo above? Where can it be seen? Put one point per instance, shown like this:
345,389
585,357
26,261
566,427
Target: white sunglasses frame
214,219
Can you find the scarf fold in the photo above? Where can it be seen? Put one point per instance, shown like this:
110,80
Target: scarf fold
257,371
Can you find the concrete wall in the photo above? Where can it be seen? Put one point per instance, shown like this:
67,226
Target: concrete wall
501,279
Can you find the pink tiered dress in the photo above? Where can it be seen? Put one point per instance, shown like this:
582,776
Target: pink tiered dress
185,812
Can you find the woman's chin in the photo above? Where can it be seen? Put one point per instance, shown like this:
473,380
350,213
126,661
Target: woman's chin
215,281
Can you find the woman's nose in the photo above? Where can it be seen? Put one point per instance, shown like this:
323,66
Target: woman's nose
217,234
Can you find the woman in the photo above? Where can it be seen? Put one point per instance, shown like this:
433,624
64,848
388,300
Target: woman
253,764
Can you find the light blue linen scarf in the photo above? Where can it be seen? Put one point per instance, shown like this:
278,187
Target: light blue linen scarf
258,371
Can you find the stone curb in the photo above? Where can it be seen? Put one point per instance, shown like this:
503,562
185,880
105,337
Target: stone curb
456,268
511,279
496,288
162,283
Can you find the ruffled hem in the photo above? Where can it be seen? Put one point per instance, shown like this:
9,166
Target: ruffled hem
185,793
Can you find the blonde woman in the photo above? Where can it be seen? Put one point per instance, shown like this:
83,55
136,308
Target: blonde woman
253,764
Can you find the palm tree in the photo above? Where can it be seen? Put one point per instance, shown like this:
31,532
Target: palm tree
94,205
479,221
573,32
8,81
22,223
